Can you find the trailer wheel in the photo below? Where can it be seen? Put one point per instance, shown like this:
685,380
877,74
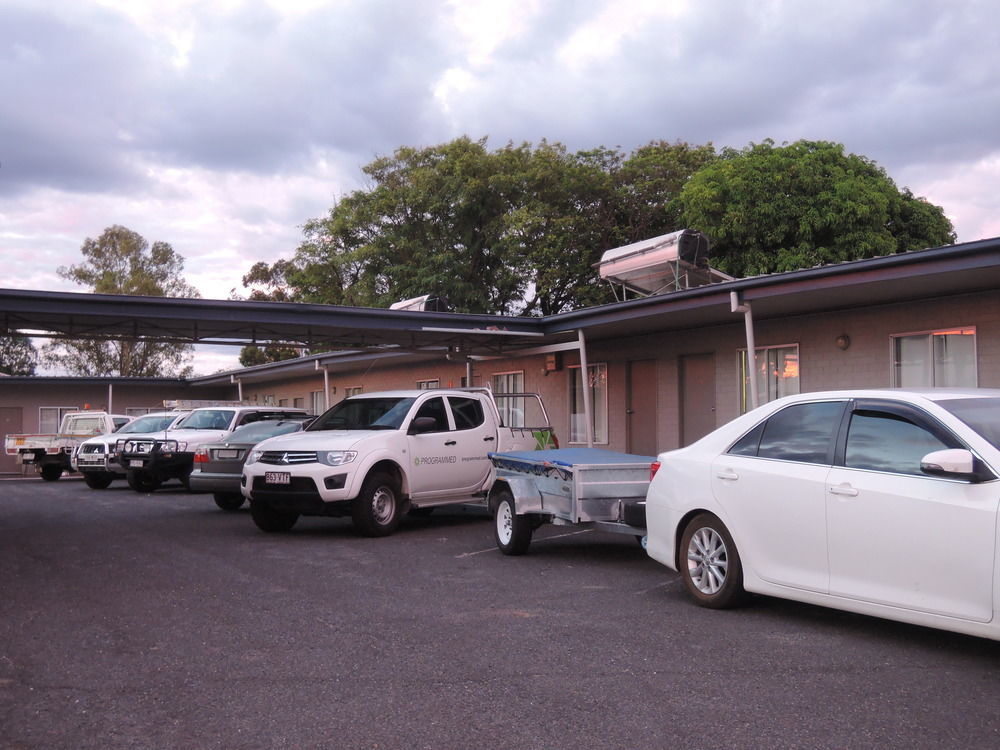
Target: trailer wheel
270,520
99,480
140,481
50,472
229,500
375,511
511,531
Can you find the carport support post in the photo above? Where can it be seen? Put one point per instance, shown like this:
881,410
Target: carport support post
737,304
111,393
588,415
468,373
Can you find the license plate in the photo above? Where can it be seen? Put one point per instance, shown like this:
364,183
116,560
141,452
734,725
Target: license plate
227,453
277,477
136,463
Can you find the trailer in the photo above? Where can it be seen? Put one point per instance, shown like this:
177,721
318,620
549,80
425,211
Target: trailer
584,487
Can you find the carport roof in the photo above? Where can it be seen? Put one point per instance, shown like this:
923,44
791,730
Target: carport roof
360,332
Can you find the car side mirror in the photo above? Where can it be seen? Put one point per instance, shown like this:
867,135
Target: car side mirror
422,424
955,463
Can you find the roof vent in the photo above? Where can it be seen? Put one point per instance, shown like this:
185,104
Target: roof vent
667,263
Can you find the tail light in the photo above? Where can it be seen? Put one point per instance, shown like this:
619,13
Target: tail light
201,456
653,468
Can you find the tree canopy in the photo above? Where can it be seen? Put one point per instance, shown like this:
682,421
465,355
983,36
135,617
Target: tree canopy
518,230
770,208
18,355
121,261
511,231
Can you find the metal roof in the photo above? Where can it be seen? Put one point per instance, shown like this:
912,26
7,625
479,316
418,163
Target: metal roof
361,332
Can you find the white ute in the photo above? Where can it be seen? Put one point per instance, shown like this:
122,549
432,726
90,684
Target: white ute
51,454
375,456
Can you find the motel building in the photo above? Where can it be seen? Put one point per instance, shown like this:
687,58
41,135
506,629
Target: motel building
662,366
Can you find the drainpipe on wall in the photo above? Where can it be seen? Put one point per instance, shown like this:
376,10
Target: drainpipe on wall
588,414
738,305
239,386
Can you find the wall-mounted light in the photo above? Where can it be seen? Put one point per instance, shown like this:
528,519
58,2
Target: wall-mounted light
842,341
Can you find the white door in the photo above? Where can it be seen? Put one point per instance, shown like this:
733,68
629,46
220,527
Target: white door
904,539
772,485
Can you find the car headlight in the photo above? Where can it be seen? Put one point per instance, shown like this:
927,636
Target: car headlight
253,457
336,458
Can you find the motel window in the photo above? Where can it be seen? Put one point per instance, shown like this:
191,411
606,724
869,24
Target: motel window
354,390
597,382
317,405
269,400
299,403
50,417
426,385
935,358
511,409
777,374
138,411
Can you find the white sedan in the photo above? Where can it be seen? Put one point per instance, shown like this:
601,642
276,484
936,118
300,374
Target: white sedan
883,502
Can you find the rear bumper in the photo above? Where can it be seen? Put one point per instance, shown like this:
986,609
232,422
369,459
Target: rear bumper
201,481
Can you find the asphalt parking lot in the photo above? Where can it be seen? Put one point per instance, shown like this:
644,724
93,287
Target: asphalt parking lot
159,621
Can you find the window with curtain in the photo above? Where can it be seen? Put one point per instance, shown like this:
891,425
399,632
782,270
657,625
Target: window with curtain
935,359
777,374
597,382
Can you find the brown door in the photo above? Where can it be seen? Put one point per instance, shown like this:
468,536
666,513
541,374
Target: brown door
10,424
640,409
697,386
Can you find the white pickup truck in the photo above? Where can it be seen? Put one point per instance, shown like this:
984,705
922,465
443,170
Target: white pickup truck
375,456
51,454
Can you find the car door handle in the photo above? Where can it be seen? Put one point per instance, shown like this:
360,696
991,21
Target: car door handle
727,474
489,439
449,442
844,489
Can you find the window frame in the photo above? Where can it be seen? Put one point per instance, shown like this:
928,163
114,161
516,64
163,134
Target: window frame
572,372
61,411
894,363
511,410
744,402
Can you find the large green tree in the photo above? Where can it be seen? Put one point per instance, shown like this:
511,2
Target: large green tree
514,230
18,355
121,261
770,208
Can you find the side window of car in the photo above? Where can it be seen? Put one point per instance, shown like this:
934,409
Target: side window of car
467,412
880,441
802,432
434,407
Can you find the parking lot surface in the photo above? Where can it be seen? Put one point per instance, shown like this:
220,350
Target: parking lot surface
159,621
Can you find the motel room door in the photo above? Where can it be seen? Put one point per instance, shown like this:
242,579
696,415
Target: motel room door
640,409
697,395
10,424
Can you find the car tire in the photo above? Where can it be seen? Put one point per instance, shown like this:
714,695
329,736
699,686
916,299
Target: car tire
271,520
50,472
710,564
376,510
229,500
511,531
99,480
140,481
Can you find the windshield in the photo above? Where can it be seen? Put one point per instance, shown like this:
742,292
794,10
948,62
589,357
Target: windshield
364,414
981,414
254,433
207,419
149,423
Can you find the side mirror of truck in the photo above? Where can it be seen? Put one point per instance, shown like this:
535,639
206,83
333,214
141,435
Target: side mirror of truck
421,425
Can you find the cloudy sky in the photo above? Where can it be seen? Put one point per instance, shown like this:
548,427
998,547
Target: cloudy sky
221,127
